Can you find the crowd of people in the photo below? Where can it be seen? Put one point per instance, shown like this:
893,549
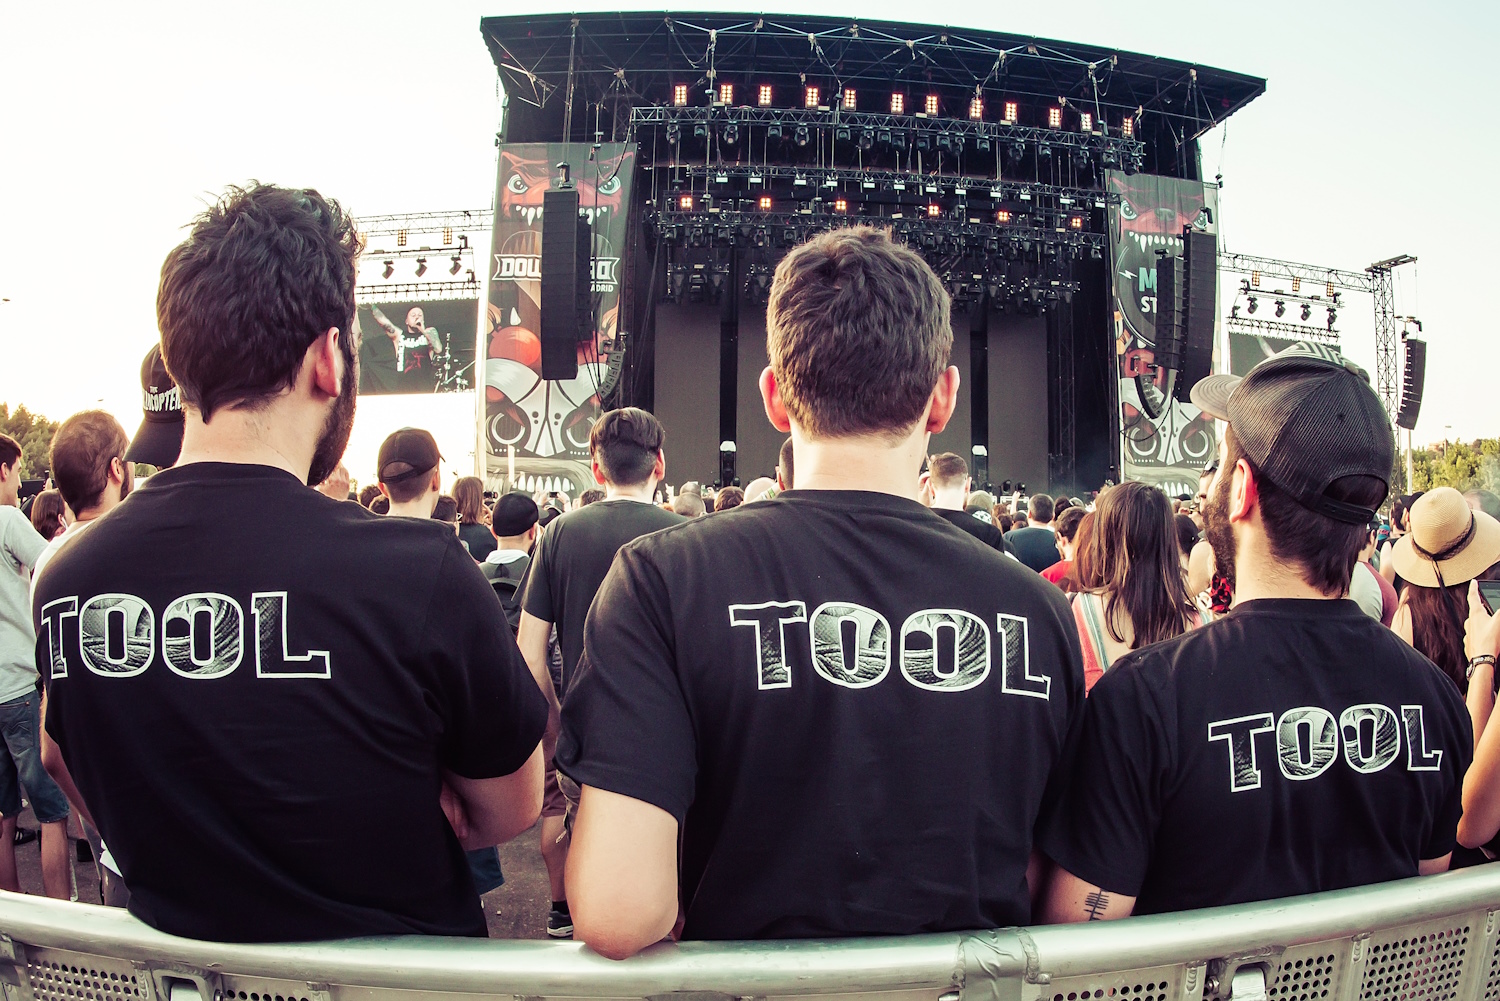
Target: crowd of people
855,698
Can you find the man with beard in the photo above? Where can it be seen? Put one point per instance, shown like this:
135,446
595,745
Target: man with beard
1294,744
417,349
288,717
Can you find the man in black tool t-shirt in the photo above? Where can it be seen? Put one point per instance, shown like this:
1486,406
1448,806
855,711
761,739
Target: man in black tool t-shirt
1293,745
848,744
287,715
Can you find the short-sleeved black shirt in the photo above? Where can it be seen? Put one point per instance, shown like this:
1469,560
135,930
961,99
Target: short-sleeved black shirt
573,556
1288,747
981,530
256,689
851,747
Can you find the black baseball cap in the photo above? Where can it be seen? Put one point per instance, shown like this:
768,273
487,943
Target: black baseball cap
514,513
158,441
1307,417
407,454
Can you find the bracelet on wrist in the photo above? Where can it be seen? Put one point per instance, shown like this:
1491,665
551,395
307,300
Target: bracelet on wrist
1476,662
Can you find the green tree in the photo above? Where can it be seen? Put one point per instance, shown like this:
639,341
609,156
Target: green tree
34,432
1457,464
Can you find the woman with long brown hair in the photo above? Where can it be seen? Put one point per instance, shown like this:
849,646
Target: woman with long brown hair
1133,587
472,528
49,514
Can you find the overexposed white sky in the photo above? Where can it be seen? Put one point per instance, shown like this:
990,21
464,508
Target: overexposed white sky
120,120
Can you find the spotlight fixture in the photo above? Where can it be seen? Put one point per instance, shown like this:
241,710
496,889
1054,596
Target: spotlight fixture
1002,216
1011,113
850,99
765,203
982,143
390,269
1280,308
867,139
1044,150
1332,316
1076,222
674,132
976,109
421,266
731,133
802,135
840,205
842,133
898,104
400,237
1253,306
932,210
458,265
1306,312
726,93
679,95
685,202
812,97
1054,118
1017,152
773,131
765,95
931,104
1127,127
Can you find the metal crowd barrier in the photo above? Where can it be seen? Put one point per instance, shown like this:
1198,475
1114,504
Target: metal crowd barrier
1429,939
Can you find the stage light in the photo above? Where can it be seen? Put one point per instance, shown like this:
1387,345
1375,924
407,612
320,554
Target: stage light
679,95
765,203
932,210
945,141
700,130
685,203
1255,278
1296,285
885,137
390,269
732,133
1016,152
850,102
765,95
421,266
842,133
802,135
931,104
1127,127
1044,150
898,140
448,239
812,97
1076,222
867,139
1085,122
674,132
976,109
1012,113
982,143
400,237
1306,312
840,205
1280,308
1332,316
458,265
924,141
1002,216
726,93
1054,118
1253,305
898,104
1095,253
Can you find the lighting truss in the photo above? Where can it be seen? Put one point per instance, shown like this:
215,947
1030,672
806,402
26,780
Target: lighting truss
463,288
1282,328
458,220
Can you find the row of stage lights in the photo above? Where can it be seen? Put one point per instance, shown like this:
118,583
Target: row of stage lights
390,267
812,99
840,206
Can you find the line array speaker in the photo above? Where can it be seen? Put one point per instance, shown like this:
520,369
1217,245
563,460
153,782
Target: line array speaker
1413,378
1169,289
566,293
1196,312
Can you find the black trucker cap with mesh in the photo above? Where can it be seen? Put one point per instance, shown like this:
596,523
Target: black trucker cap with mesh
1306,417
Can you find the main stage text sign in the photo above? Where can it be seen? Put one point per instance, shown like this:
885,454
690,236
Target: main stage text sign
545,424
1168,450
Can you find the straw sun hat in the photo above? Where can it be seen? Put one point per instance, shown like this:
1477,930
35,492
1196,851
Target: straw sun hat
1448,543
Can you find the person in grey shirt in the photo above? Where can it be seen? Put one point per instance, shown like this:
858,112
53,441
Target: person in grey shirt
20,702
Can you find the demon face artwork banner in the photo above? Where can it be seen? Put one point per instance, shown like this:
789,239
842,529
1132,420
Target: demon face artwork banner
416,347
545,424
1170,449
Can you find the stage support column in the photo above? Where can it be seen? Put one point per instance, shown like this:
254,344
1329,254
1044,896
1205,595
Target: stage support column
1062,418
729,358
979,392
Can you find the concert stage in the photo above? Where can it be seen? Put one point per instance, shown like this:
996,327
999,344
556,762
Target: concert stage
1040,179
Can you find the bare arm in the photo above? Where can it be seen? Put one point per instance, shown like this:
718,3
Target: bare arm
52,761
1401,622
1071,900
532,637
1429,866
1387,565
487,812
1481,636
622,873
391,330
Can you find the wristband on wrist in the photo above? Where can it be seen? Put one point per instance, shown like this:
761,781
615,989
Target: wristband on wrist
1474,663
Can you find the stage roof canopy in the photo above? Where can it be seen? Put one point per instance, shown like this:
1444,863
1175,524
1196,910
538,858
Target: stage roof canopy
637,58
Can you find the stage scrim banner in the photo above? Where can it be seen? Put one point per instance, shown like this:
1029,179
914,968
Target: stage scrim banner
1168,450
540,429
416,347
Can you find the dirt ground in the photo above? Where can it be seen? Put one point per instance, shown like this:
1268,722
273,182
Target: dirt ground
516,910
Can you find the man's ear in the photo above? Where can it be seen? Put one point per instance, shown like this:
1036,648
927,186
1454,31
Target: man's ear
944,400
384,491
659,468
770,395
327,363
598,473
437,480
1244,495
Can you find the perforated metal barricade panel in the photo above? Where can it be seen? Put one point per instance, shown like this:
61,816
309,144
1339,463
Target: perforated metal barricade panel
1309,973
1419,963
72,976
1160,983
1492,983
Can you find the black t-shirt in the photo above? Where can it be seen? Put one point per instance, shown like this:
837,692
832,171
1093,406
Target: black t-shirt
984,532
1289,747
1034,546
850,747
570,562
479,539
256,691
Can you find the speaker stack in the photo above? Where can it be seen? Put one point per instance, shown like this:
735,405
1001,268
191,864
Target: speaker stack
1415,375
567,294
1200,286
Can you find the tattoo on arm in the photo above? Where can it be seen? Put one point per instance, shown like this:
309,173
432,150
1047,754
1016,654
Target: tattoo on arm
1095,904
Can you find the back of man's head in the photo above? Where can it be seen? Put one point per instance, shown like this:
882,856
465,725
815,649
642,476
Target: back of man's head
264,273
858,334
949,471
1040,509
980,500
84,450
689,504
407,465
626,444
10,451
1067,523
